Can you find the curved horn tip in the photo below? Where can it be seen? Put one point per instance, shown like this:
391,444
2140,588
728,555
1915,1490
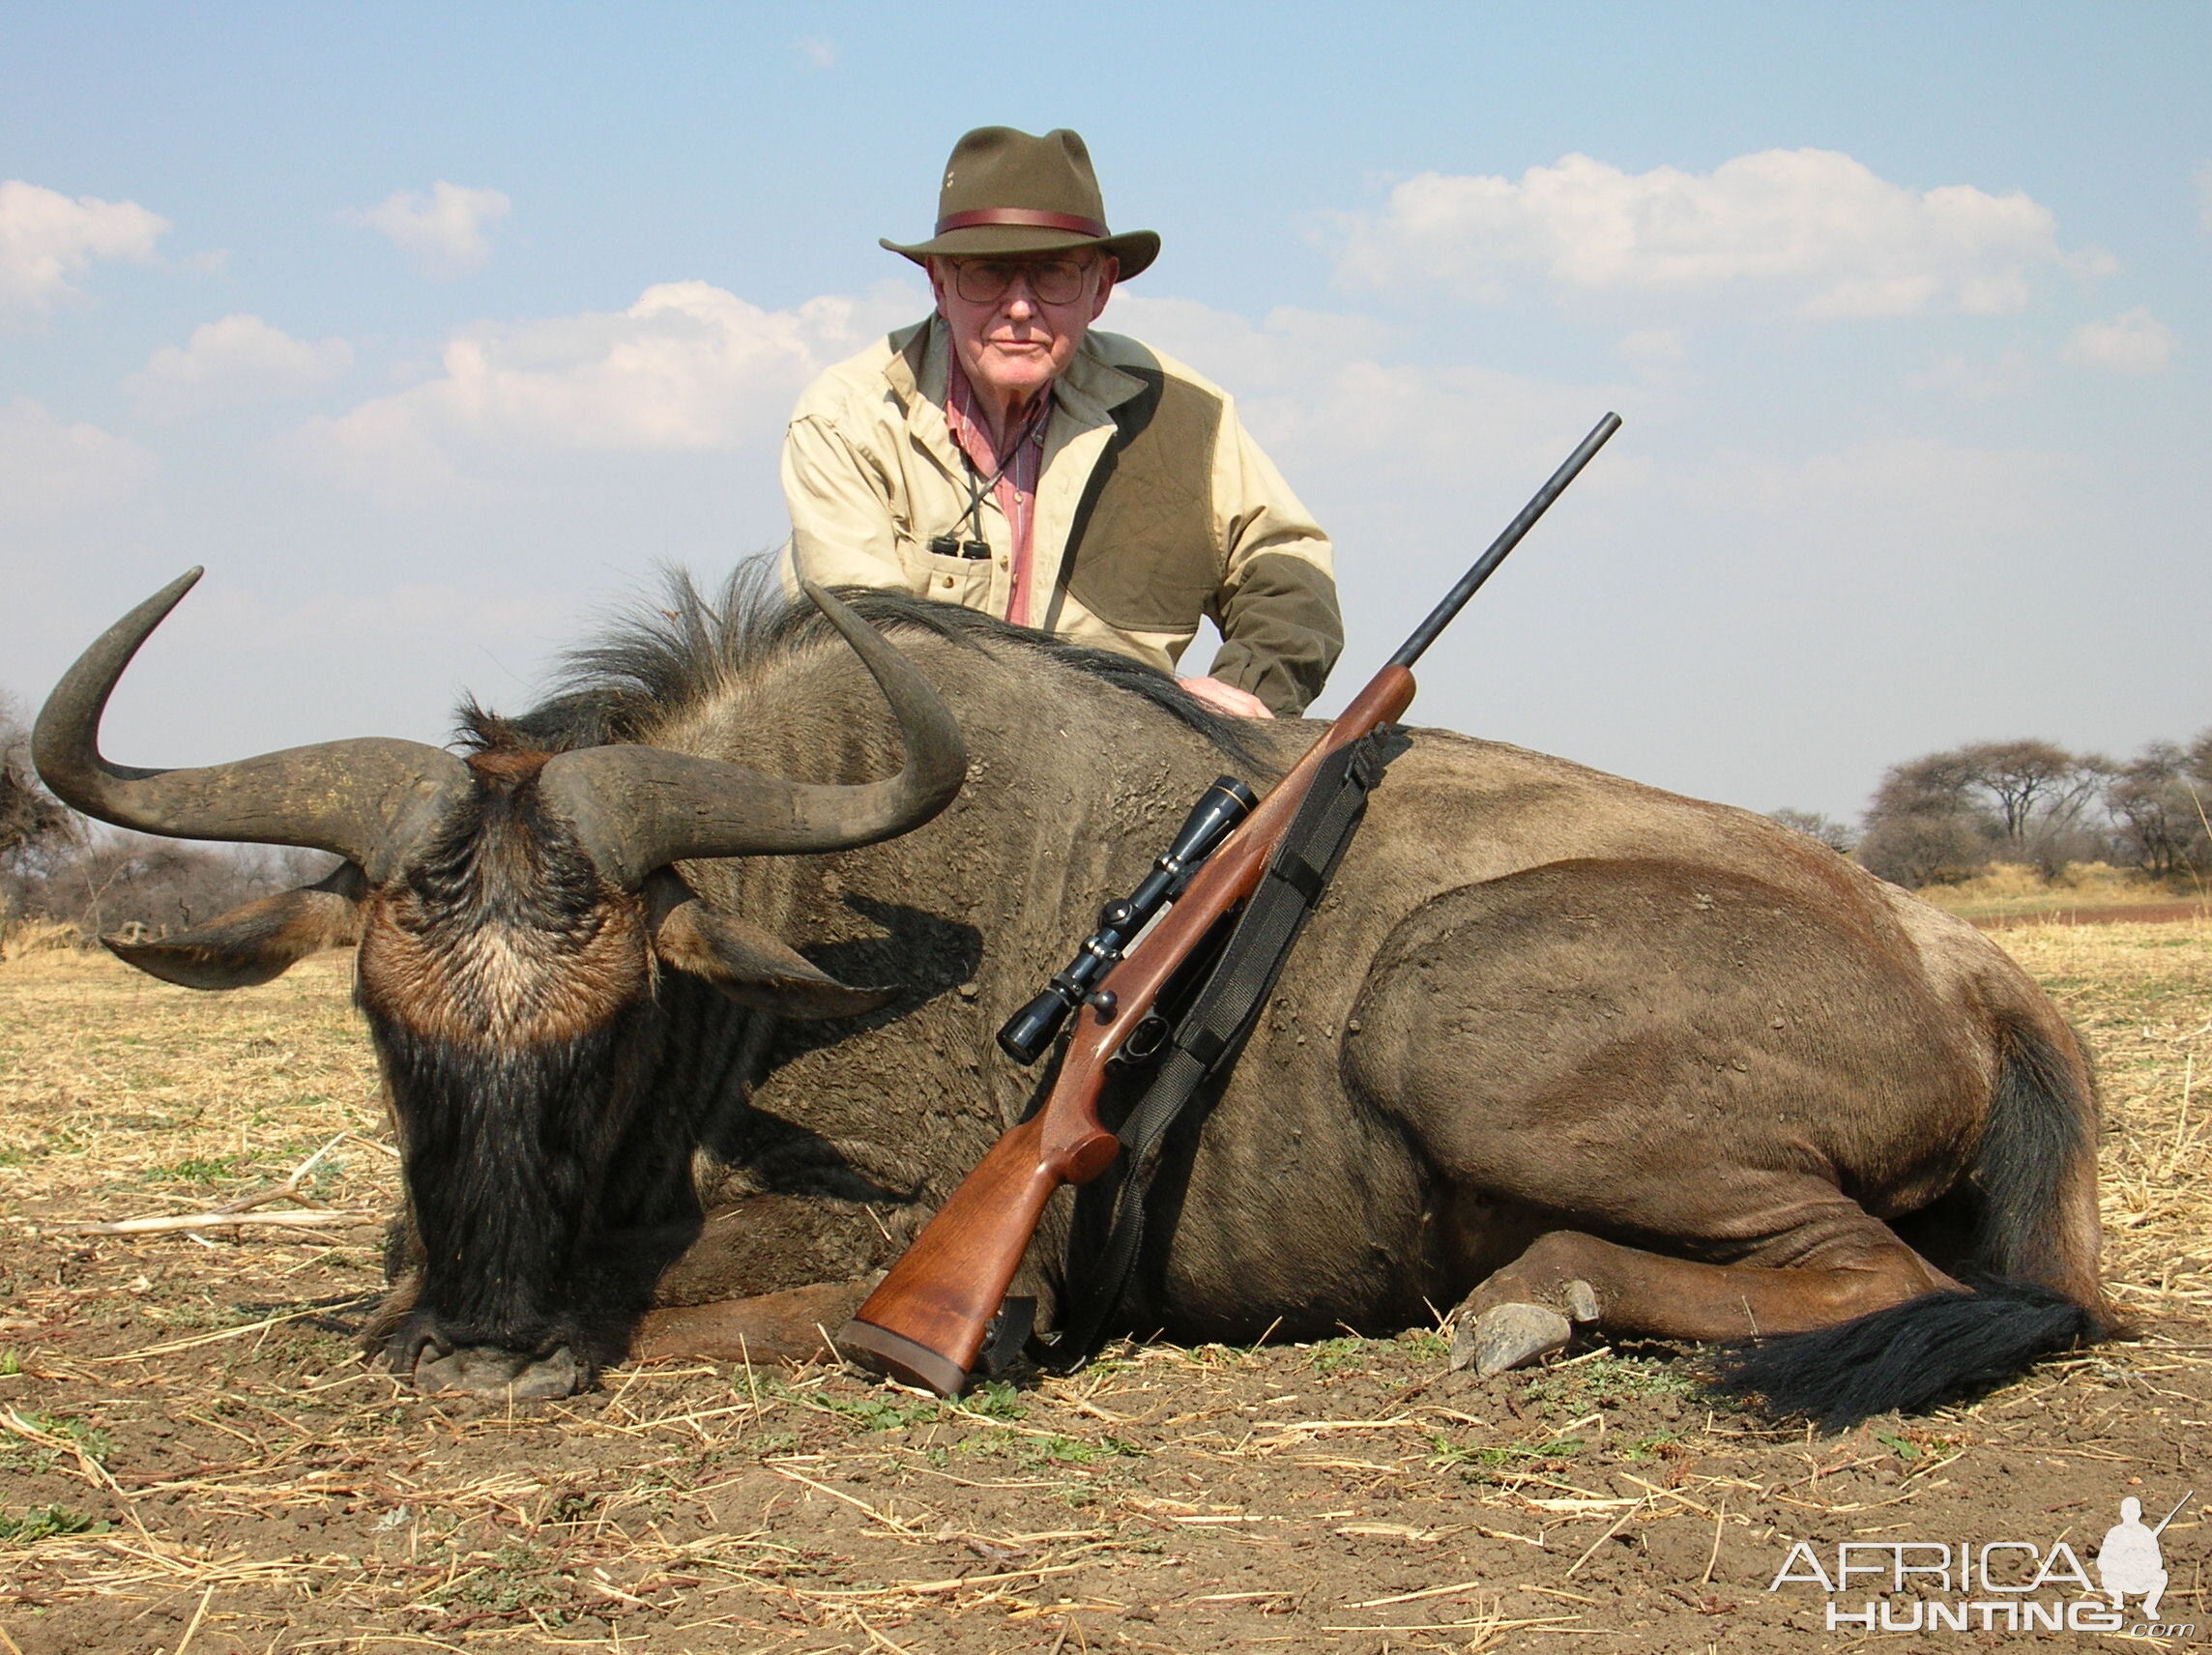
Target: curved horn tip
294,797
170,595
824,600
138,625
64,736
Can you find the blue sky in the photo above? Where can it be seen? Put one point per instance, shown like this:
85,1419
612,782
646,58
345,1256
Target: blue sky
431,334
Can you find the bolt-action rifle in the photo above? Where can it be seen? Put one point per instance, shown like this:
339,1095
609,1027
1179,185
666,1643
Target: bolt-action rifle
927,1320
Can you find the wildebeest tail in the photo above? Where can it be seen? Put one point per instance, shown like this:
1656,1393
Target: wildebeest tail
2035,1290
2035,1171
1908,1358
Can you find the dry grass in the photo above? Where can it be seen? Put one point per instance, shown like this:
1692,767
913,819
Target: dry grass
24,936
194,1461
2013,889
118,1089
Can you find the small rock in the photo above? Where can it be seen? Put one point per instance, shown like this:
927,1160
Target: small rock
1582,1301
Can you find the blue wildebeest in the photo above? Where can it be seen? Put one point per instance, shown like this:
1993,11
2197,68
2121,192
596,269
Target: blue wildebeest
1555,1041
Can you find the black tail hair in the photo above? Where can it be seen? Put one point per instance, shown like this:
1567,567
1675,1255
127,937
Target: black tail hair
1917,1356
1908,1358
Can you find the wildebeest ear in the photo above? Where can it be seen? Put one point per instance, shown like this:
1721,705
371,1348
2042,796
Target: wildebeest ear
257,942
753,968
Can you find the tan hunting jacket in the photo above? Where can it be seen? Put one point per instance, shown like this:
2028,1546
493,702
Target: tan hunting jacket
1155,508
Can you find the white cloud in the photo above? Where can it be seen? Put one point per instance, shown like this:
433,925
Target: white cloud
49,469
2135,341
1651,351
1287,350
2204,195
45,239
1325,396
1952,374
239,359
818,51
444,232
1815,224
688,368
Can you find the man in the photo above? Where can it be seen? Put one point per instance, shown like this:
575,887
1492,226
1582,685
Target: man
1003,457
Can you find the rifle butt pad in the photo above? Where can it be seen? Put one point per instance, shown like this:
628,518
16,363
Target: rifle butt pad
900,1357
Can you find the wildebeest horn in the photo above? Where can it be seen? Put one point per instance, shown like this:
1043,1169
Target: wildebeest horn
367,799
639,808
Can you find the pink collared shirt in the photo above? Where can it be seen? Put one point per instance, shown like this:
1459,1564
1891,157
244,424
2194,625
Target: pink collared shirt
1016,484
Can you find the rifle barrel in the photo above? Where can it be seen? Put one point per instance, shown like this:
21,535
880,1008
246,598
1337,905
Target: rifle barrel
1486,566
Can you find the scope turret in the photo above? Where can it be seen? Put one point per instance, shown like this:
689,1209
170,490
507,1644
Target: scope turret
1032,1030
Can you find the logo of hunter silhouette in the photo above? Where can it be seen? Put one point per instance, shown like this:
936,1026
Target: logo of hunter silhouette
2129,1562
2007,1585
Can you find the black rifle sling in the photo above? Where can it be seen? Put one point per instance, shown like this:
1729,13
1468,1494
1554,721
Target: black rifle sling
1213,1031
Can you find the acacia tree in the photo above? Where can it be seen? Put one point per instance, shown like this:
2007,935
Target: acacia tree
2159,803
2018,776
2043,796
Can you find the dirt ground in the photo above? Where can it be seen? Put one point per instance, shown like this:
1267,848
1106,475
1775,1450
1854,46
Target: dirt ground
195,1460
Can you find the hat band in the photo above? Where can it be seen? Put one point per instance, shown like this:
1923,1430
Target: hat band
1027,217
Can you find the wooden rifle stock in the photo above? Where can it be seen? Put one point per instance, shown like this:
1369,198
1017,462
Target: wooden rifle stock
926,1321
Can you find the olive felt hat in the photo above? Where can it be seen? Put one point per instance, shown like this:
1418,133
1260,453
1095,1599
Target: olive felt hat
1007,192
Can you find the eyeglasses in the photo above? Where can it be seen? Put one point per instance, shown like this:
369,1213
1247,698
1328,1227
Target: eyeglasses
1053,281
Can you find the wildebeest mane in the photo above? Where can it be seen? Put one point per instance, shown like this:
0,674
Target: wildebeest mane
661,656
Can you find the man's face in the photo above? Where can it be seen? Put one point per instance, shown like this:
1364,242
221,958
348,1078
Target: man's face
1017,340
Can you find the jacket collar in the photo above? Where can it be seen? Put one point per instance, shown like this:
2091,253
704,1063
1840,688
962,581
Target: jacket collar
1087,393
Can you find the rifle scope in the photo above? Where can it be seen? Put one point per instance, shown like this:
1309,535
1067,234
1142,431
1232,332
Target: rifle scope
1219,809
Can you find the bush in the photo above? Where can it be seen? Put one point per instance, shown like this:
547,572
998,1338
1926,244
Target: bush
115,881
22,936
1924,848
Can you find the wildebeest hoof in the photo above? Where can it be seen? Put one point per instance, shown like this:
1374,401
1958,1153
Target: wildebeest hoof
501,1376
1582,1301
1506,1336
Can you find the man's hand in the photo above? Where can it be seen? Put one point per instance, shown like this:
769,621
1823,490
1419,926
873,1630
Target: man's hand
1226,698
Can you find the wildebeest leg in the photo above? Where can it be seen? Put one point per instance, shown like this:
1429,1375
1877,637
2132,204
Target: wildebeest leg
778,1327
1680,1058
1521,1312
768,1272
